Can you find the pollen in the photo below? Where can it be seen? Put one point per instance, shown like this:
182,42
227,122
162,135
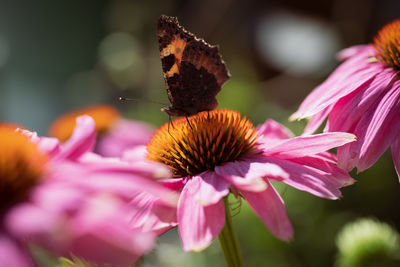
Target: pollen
387,44
21,166
191,145
103,115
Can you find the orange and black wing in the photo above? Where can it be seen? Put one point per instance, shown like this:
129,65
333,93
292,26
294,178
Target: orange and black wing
193,70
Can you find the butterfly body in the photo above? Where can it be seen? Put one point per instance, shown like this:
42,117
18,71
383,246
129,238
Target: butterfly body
193,70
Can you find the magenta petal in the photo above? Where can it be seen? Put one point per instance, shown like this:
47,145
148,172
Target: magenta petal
11,254
351,51
396,155
350,75
324,165
271,132
198,224
123,135
102,234
376,130
309,145
149,214
82,139
317,120
207,188
382,128
308,178
358,102
247,175
269,206
48,145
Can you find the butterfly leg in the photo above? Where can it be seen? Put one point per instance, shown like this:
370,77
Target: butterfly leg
187,119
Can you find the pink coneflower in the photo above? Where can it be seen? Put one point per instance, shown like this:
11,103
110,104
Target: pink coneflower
214,153
68,200
115,134
362,96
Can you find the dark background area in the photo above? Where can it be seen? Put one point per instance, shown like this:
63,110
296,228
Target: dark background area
56,56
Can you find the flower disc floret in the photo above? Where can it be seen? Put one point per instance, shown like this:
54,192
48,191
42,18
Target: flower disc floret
21,166
200,142
387,44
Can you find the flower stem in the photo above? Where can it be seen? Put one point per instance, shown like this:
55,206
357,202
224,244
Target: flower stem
228,240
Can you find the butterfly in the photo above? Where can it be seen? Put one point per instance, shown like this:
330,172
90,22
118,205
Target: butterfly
193,70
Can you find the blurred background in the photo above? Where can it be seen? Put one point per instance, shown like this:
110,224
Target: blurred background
56,56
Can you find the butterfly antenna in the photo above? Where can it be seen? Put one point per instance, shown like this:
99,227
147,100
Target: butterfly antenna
140,100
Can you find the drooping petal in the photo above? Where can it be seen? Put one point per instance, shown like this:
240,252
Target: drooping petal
49,145
316,120
124,134
309,179
102,235
351,51
149,214
198,224
349,109
308,145
39,225
396,155
82,139
11,253
247,174
383,128
375,132
124,181
269,206
139,166
207,188
355,72
324,166
271,132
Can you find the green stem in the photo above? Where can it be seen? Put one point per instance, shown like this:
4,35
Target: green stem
228,240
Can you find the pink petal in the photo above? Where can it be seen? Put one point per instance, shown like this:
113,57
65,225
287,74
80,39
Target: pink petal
375,131
308,145
271,132
349,109
316,120
149,214
40,225
198,224
82,139
396,155
351,51
269,206
247,175
11,254
102,234
307,178
123,135
207,188
139,166
350,75
134,154
322,165
49,145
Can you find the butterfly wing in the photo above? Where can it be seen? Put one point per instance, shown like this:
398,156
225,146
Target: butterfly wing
193,70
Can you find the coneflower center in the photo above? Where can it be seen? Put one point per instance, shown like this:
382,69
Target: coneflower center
200,142
21,166
387,44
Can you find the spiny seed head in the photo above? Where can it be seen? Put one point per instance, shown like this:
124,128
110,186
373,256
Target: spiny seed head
191,145
103,115
21,166
387,44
